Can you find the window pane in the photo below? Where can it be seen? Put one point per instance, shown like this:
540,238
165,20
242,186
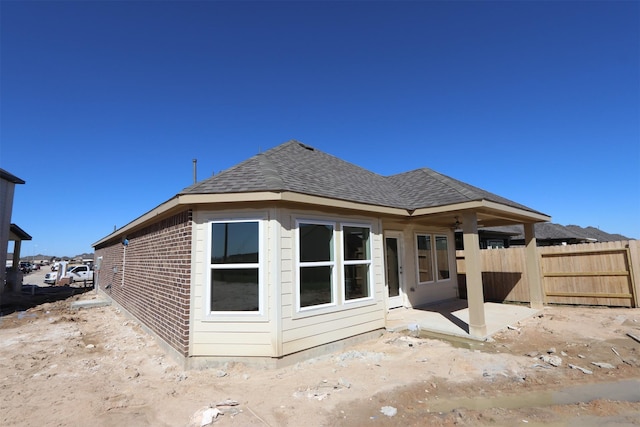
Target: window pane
442,257
315,286
234,290
356,281
356,243
234,242
425,263
316,242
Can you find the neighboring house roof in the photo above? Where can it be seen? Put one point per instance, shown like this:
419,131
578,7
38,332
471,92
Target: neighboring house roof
296,167
9,177
597,234
551,231
17,233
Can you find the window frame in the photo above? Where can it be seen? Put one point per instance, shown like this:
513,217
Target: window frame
431,258
345,262
434,257
259,314
300,264
339,302
435,254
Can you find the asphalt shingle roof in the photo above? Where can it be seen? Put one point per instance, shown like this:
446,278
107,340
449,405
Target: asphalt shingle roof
552,231
296,167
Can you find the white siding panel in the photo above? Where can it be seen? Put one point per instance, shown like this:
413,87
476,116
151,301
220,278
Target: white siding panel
231,350
224,338
326,337
230,327
305,330
301,328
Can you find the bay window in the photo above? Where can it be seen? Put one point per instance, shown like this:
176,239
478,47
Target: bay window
331,257
317,264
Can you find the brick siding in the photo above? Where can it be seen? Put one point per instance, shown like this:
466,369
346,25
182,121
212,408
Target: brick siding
156,266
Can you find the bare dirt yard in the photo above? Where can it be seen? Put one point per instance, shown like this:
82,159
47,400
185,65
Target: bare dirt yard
570,366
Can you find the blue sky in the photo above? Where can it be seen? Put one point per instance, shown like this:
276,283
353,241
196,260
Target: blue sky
104,104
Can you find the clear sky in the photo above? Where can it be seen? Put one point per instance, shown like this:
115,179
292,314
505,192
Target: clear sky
104,104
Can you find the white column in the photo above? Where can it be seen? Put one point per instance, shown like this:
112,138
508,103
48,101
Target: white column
473,265
536,293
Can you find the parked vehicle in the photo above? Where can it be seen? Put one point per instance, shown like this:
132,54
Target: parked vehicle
50,278
26,267
80,273
77,273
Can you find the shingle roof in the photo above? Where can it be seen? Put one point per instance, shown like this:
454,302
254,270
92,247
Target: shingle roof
596,233
552,231
427,188
296,167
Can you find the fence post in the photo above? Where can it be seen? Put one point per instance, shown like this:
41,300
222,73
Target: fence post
634,270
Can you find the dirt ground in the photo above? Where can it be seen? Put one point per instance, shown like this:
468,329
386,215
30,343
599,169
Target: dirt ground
63,367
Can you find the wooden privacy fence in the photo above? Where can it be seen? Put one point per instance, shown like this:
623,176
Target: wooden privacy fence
605,274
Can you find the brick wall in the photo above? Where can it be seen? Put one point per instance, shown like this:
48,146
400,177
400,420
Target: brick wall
151,277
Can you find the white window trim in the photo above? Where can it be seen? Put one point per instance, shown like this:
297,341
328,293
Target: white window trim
368,262
415,245
235,316
435,254
299,265
434,257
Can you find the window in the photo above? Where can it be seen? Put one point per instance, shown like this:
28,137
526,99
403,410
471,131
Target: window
235,270
425,259
317,264
357,262
323,269
428,258
442,257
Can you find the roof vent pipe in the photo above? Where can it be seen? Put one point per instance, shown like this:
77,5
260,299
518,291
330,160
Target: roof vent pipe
195,171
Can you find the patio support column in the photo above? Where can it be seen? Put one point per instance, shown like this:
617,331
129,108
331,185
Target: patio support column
536,294
473,265
17,285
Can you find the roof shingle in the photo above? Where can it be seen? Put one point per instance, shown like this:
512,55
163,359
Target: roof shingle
296,167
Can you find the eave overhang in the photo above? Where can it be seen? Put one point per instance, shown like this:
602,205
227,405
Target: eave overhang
490,213
16,233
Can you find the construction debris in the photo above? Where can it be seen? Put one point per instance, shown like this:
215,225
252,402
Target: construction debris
583,370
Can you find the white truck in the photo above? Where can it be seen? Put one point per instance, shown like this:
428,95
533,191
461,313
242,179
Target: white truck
77,273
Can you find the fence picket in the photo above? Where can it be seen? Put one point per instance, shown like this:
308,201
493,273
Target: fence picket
606,273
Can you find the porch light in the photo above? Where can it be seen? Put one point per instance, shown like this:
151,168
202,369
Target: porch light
457,224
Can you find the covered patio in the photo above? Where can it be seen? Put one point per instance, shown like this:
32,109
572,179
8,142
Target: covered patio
474,318
451,318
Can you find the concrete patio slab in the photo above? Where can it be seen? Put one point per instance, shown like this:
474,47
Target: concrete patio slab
452,318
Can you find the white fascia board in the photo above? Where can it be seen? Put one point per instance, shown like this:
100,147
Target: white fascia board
160,209
480,205
196,199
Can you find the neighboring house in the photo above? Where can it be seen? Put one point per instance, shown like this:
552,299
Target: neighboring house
7,188
294,249
547,234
